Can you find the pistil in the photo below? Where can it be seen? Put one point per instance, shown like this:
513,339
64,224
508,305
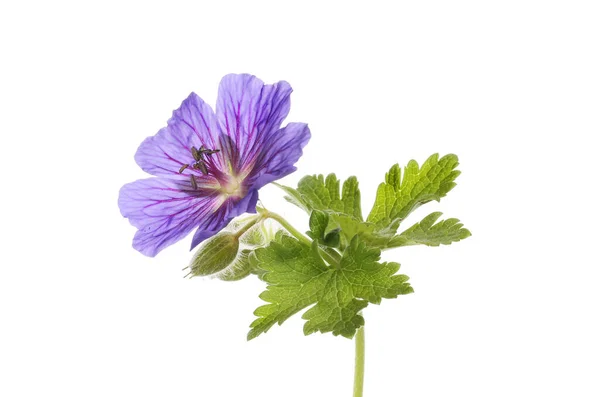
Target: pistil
232,187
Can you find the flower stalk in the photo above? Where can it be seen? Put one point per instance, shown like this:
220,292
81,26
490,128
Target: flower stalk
253,221
359,362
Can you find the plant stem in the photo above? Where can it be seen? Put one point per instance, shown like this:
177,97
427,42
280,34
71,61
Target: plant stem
359,362
330,256
293,231
247,226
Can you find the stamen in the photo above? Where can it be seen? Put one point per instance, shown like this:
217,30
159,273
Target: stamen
202,167
183,167
193,180
197,155
206,151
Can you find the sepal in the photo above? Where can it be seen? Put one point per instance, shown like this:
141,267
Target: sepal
215,255
239,269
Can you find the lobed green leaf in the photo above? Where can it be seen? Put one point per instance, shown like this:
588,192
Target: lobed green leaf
318,192
318,224
399,195
419,185
427,232
298,278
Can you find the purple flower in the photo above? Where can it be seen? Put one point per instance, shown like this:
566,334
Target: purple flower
209,166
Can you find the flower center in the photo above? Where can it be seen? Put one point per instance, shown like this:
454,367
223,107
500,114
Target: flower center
232,187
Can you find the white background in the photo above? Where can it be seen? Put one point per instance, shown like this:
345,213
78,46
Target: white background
512,87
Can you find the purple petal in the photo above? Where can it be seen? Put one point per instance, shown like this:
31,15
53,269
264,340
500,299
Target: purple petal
280,151
193,124
229,210
165,211
247,112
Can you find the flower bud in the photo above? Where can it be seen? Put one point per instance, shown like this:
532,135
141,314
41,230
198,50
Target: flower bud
239,269
255,236
332,239
215,254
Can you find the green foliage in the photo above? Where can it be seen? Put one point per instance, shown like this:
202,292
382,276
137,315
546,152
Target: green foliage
427,232
297,278
318,222
318,192
321,193
332,239
334,291
399,196
396,198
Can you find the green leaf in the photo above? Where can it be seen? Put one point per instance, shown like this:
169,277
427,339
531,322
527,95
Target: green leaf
318,192
351,198
319,220
313,190
294,197
333,187
318,224
298,278
427,232
392,178
384,202
419,185
397,197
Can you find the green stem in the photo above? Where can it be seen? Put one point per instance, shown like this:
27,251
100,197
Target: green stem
334,254
293,231
248,225
359,362
328,255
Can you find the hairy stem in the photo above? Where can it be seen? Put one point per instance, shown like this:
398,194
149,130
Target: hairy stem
287,226
359,362
248,225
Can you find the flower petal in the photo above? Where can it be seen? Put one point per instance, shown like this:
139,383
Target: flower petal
193,124
247,111
280,151
165,211
229,210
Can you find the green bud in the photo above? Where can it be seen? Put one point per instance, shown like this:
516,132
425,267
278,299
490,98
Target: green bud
318,224
239,269
255,236
215,254
332,239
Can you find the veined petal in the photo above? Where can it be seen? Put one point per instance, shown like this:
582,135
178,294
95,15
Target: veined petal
165,211
280,151
228,210
193,124
244,149
247,111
